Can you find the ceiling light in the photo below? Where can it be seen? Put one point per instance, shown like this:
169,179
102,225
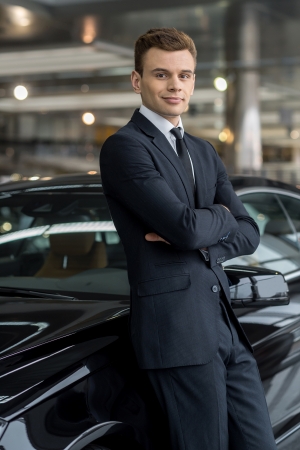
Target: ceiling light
223,136
20,92
89,30
6,226
15,177
226,136
88,118
294,134
88,38
220,84
20,16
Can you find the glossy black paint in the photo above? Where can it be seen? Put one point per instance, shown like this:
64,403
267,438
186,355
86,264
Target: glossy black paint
45,320
68,376
244,181
68,385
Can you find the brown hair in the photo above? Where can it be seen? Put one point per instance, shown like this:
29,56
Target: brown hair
168,39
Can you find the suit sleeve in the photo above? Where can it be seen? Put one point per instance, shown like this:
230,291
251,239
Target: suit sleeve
130,177
247,237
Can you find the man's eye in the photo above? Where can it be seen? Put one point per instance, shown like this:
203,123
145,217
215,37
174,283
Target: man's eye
184,75
161,75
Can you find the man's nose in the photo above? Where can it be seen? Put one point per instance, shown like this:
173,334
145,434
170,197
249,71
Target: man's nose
174,84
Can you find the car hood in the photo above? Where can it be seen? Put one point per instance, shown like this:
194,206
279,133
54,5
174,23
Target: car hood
26,323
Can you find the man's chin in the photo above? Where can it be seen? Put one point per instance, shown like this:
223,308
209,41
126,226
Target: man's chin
174,112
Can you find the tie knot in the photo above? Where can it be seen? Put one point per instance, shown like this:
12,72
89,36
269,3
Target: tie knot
177,133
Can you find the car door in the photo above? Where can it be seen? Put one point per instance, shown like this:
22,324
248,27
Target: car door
275,331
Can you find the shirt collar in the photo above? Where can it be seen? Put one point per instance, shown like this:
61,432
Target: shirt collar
160,122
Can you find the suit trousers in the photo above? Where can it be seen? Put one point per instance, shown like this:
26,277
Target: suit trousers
219,405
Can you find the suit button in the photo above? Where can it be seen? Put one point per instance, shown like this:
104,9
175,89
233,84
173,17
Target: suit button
215,288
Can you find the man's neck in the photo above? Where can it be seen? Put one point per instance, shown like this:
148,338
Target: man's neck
174,120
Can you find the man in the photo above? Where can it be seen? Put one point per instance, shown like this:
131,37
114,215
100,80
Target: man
179,220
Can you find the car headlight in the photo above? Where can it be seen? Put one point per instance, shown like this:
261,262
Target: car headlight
3,426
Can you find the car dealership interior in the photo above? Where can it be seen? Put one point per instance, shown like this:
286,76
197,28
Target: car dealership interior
65,81
81,276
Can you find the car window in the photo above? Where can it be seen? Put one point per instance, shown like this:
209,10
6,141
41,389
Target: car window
277,249
65,242
292,207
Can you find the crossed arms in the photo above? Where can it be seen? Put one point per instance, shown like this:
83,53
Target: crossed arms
129,175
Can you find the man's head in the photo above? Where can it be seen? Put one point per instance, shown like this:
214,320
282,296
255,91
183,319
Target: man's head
165,61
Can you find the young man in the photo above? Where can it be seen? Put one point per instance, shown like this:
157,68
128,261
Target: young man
179,220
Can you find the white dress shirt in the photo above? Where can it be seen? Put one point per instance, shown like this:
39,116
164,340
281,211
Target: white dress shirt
165,127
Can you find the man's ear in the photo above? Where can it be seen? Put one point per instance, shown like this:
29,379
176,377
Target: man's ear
136,81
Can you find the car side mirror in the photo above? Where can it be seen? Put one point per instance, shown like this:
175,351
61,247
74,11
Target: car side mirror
255,287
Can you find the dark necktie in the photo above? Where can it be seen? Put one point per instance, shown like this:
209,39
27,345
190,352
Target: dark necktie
183,155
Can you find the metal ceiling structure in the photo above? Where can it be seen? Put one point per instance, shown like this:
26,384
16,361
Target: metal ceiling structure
55,47
58,60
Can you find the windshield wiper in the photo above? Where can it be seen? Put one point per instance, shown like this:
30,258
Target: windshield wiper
28,293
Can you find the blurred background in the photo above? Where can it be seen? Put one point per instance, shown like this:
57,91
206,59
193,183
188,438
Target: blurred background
65,81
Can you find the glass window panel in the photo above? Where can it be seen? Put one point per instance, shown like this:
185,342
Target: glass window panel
292,206
276,250
61,241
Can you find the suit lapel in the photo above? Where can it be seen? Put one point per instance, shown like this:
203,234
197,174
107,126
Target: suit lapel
161,142
165,147
195,153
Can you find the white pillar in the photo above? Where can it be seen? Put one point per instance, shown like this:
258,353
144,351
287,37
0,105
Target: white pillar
243,151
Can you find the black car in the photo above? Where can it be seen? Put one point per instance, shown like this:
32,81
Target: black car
68,377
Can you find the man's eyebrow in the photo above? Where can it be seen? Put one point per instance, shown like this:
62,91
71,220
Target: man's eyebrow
187,71
158,69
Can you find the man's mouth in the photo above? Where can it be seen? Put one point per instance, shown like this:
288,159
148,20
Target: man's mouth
173,100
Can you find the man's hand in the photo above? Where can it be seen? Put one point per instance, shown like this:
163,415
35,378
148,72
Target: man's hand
153,237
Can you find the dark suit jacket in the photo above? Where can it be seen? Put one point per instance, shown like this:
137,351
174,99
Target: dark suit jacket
174,292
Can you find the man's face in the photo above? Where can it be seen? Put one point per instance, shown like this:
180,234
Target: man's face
167,83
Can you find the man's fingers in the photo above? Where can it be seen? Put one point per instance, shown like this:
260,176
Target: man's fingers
153,237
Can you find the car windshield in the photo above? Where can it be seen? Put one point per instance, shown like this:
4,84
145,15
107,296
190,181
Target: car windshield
61,242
